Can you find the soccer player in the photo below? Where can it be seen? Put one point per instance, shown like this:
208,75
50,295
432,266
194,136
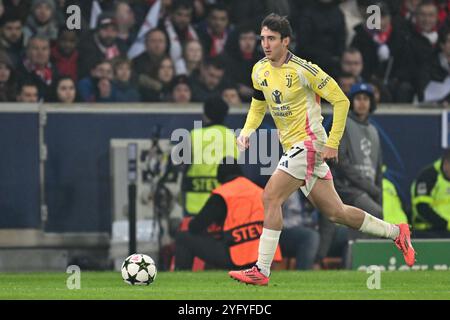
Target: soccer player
292,88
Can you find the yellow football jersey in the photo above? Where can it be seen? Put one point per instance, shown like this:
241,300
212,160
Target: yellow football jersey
293,92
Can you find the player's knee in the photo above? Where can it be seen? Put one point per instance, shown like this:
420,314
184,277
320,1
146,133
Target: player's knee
271,199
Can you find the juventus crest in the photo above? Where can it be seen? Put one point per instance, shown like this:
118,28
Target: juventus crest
289,80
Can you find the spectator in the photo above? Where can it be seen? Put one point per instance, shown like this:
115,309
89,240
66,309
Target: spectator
126,24
431,199
353,11
248,11
103,44
346,81
381,94
408,10
37,66
181,90
234,205
140,10
146,65
333,244
200,10
28,92
209,145
444,11
213,34
208,82
299,239
124,89
358,174
352,63
424,40
387,55
393,211
11,38
65,90
7,79
193,56
65,54
242,55
97,86
321,35
231,96
41,21
439,73
21,8
179,30
158,88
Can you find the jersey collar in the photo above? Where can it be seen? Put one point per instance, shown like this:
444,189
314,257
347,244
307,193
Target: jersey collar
288,57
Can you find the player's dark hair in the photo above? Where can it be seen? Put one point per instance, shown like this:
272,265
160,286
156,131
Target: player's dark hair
279,24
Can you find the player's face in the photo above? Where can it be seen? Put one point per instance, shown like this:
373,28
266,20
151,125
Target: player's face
274,47
361,105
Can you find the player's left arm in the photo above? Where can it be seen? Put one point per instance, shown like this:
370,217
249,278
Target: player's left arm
327,88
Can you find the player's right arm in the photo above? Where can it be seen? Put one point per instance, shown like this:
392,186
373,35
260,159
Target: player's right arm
255,115
327,88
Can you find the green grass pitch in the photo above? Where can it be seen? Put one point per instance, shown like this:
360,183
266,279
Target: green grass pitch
218,286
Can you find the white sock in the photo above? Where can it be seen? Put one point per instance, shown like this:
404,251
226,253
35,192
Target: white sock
376,227
268,243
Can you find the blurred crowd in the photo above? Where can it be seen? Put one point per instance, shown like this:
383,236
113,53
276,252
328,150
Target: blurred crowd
196,49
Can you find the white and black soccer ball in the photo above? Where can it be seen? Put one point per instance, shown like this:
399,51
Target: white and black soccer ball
138,269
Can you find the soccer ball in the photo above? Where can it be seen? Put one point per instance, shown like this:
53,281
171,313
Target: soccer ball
138,269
